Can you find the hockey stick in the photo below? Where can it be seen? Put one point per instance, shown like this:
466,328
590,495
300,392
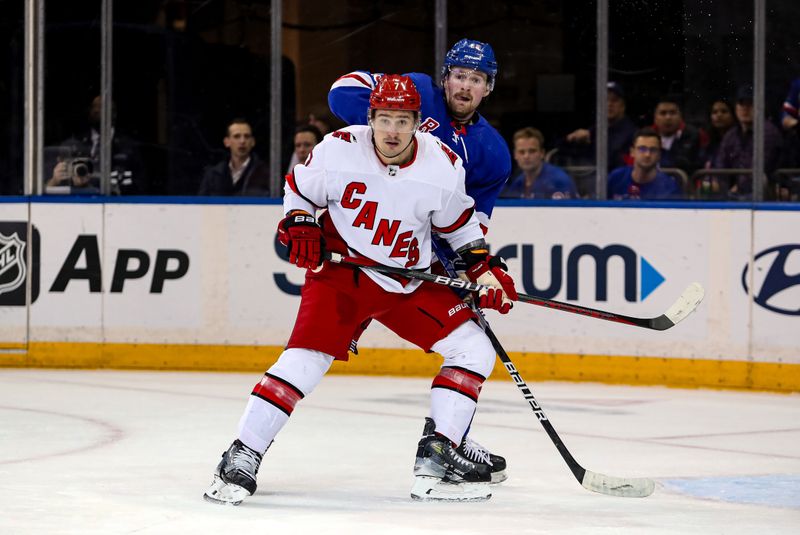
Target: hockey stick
614,486
594,481
682,307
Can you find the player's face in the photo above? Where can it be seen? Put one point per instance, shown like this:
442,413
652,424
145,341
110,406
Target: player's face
240,140
668,118
393,131
464,90
528,154
646,152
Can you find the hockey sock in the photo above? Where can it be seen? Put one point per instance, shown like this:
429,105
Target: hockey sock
468,360
295,375
454,396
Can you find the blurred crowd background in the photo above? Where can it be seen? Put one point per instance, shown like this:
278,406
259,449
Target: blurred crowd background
186,72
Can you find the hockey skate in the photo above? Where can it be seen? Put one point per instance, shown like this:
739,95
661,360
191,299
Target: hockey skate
480,455
442,474
235,476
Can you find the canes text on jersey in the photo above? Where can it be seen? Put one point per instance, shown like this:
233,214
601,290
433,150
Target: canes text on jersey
404,244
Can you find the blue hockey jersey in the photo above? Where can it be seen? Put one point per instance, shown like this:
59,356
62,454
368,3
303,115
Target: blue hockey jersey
485,154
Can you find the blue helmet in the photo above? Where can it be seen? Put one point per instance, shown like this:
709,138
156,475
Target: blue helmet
473,54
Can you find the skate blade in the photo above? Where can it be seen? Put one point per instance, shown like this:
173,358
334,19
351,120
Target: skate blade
431,489
498,477
223,493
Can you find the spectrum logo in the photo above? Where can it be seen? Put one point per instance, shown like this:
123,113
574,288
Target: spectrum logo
640,277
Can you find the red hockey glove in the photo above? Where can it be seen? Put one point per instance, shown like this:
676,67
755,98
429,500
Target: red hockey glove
300,233
493,272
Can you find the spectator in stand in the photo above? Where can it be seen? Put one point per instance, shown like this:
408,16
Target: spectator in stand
736,150
643,180
789,187
620,130
243,173
680,142
323,122
77,165
306,137
537,179
790,114
721,119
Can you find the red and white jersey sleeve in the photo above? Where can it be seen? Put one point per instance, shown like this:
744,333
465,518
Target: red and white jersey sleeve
313,195
386,213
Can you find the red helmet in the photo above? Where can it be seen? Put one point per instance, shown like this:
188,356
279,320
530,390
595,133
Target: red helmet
395,92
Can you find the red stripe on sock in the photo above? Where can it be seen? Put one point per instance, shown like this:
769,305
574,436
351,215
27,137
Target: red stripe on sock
277,392
462,381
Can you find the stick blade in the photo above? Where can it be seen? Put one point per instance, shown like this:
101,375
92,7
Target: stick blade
686,303
623,487
682,307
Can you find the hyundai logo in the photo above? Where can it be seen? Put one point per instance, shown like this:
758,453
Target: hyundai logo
776,279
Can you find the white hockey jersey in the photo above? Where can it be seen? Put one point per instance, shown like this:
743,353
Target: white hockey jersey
386,213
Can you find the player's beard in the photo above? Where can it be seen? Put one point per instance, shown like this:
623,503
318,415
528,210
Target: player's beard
462,110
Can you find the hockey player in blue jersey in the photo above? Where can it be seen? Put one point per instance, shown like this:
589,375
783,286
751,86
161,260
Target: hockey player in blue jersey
449,112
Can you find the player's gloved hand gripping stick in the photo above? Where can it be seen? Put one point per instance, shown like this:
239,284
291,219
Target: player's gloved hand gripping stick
490,272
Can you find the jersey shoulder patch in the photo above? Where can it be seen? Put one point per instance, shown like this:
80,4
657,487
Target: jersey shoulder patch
344,136
448,152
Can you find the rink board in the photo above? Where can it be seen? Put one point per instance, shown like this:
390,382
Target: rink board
178,285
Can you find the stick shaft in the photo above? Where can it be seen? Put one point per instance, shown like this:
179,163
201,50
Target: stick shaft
460,284
577,470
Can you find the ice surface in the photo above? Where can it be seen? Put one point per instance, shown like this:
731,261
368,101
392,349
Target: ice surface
102,452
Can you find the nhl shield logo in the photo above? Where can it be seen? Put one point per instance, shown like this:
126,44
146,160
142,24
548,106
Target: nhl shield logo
12,263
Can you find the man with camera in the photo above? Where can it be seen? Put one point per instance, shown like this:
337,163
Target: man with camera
72,172
77,170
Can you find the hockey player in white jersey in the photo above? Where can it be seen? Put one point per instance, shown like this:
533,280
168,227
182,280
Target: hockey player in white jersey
386,187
